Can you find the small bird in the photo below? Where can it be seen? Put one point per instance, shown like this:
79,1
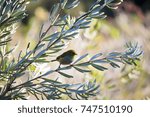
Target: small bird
66,58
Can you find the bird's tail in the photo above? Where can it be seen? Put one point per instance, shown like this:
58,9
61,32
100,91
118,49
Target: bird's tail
53,60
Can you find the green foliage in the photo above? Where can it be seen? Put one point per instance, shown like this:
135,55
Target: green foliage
39,84
11,12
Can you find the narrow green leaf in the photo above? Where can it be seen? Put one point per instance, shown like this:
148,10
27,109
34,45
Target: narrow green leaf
80,58
65,75
98,67
82,70
96,56
114,65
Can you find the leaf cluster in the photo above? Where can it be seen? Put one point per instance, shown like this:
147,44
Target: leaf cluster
39,84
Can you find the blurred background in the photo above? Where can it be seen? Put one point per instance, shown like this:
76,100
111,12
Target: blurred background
129,23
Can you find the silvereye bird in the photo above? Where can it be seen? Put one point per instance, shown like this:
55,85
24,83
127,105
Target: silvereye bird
66,58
